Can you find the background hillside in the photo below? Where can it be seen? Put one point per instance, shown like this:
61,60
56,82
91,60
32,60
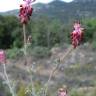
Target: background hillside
77,9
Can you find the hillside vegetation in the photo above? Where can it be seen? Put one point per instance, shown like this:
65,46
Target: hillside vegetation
50,28
66,12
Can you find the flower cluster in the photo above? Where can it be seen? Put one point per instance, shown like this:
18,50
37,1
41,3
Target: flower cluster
25,11
77,34
2,56
62,92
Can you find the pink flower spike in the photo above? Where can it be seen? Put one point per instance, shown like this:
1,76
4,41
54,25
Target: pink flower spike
2,56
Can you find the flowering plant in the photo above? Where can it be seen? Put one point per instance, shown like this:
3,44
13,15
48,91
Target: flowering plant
25,11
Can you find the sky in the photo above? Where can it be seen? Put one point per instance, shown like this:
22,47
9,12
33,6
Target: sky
6,5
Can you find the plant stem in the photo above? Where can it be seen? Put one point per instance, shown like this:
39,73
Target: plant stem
70,49
8,81
25,43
